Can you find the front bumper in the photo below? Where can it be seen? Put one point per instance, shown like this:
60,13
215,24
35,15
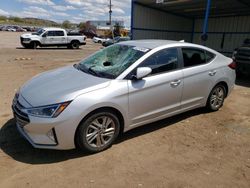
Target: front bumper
45,133
24,41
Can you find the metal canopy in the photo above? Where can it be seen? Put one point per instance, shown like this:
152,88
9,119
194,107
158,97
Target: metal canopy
197,8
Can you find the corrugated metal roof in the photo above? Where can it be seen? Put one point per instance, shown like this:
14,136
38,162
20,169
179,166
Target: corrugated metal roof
196,8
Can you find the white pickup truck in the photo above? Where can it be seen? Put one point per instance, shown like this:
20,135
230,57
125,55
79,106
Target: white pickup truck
46,37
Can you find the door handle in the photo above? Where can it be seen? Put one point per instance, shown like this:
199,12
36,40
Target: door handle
175,83
212,73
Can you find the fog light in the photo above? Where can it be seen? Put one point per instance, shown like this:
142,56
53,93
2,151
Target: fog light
52,135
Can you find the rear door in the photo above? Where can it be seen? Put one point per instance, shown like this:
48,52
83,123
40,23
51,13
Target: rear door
59,37
158,94
198,77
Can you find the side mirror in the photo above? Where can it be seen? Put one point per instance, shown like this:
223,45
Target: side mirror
142,72
44,35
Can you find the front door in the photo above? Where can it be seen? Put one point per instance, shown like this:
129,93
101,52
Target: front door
159,94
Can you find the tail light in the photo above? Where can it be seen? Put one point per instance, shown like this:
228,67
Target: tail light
232,65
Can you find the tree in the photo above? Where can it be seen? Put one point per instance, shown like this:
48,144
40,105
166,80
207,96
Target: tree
82,26
4,18
66,24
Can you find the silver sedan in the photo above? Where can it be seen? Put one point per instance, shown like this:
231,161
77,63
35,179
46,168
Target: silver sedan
121,87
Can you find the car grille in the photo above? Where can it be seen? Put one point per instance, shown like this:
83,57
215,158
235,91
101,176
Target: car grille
21,117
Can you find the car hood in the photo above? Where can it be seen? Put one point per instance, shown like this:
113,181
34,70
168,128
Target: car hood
28,35
60,85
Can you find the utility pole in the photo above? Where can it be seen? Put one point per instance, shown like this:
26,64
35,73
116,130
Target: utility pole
110,12
110,20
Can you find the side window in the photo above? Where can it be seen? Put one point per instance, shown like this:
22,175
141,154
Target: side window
50,33
209,56
162,61
193,57
59,33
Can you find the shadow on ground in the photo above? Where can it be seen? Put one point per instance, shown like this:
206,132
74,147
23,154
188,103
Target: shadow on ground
14,145
48,48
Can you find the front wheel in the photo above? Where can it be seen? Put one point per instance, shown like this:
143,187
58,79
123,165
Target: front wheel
33,45
98,132
216,98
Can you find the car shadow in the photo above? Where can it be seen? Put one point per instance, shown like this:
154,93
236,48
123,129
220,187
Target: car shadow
48,48
15,146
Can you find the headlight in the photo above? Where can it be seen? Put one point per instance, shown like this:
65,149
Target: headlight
50,111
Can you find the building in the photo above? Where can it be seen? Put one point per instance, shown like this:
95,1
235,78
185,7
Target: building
102,24
222,24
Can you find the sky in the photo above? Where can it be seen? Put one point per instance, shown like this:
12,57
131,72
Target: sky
73,10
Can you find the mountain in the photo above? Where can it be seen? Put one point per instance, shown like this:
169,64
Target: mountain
27,21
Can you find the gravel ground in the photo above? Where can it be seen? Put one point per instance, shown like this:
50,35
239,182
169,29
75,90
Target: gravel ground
194,149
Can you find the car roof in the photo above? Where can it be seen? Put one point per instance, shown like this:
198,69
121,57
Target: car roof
52,28
151,44
155,43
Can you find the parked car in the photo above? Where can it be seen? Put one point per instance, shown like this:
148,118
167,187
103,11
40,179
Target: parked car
52,37
115,40
2,27
10,28
99,39
241,56
19,29
121,87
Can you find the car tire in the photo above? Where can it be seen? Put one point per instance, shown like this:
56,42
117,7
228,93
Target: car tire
98,132
99,41
33,45
216,98
75,44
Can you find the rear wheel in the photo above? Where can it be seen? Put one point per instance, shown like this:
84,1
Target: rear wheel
216,98
98,132
75,44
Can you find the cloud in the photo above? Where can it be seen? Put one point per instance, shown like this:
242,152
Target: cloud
73,10
59,14
3,13
98,10
38,12
118,3
38,2
63,8
36,9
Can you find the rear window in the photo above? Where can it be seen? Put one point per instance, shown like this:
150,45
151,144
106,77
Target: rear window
209,56
59,33
195,56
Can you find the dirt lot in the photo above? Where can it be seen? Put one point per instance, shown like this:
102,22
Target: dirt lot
195,149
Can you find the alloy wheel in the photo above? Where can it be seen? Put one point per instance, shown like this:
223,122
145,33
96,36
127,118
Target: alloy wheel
217,97
100,131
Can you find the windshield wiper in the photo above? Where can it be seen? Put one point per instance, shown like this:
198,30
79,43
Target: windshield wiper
91,71
78,67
